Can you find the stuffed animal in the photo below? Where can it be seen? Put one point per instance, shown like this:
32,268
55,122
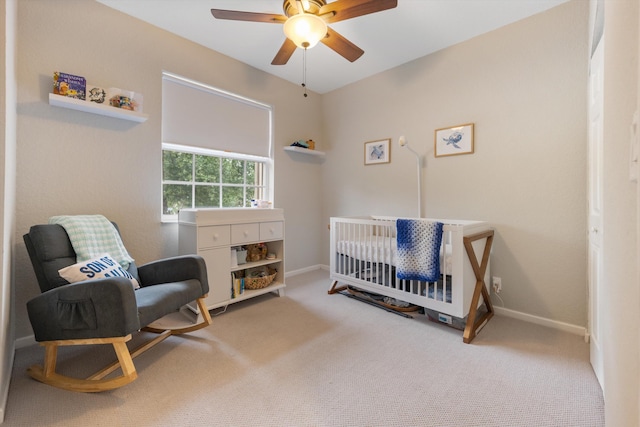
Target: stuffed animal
256,252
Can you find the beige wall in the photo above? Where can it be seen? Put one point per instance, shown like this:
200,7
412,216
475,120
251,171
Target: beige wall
77,163
524,87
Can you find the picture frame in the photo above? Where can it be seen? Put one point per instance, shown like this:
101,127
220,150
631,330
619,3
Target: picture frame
377,152
454,140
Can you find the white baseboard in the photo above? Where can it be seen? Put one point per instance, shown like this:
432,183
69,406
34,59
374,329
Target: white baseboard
23,342
562,326
4,392
500,311
305,270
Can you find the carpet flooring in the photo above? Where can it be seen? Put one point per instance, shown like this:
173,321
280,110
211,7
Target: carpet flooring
313,359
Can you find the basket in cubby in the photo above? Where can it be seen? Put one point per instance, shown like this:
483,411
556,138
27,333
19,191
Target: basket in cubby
253,283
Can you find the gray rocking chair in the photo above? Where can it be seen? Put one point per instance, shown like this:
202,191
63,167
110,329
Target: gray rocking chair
105,311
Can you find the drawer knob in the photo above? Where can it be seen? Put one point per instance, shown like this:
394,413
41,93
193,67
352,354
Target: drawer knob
215,236
246,233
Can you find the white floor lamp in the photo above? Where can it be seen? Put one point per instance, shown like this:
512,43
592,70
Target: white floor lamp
402,141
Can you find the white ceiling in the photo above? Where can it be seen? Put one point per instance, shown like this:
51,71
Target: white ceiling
414,29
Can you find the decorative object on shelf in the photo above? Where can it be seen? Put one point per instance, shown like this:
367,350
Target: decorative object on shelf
455,140
309,144
376,152
124,102
125,99
262,204
69,85
96,94
241,255
259,280
256,252
71,91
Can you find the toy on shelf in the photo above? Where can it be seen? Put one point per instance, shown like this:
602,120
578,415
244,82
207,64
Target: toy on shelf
125,99
76,87
309,144
96,94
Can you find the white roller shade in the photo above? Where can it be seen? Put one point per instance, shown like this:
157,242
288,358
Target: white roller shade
196,115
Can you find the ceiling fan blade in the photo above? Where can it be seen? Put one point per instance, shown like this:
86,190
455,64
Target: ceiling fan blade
285,52
236,15
341,45
345,9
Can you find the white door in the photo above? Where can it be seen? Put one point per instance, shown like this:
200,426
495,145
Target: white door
595,209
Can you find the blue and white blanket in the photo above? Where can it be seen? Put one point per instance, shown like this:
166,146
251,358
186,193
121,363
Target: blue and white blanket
418,249
93,235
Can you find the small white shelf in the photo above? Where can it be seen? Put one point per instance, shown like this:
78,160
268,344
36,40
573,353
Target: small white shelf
89,107
304,151
250,293
255,264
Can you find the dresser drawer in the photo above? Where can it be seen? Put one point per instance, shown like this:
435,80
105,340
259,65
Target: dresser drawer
245,233
214,235
271,230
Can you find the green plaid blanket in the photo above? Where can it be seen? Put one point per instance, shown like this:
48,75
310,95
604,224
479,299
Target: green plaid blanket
93,235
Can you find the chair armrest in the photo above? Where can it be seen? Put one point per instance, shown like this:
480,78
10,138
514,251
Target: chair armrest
175,269
98,308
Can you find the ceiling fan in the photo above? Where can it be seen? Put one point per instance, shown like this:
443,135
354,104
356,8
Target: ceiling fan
305,23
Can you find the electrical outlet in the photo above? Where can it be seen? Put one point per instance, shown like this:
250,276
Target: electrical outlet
496,283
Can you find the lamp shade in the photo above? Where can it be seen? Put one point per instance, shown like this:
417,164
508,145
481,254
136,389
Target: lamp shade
305,29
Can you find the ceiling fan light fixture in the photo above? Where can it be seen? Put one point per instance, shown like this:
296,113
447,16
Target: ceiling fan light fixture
305,29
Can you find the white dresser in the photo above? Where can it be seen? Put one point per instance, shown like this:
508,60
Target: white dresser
212,233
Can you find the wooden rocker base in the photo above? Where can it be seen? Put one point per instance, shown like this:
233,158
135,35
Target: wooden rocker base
96,383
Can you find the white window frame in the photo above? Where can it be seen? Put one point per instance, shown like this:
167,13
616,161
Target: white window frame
266,175
268,162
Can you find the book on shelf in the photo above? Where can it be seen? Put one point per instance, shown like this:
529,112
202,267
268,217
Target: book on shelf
237,285
69,85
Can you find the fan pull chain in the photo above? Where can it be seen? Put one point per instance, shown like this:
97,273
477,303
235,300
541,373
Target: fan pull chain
304,71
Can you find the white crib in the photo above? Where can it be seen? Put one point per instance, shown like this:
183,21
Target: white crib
363,251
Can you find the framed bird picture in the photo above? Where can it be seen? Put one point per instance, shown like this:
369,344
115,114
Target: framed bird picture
454,140
376,152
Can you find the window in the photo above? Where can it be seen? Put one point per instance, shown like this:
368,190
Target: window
199,178
217,148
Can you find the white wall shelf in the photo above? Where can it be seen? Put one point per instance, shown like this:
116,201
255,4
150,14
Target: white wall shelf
304,151
90,107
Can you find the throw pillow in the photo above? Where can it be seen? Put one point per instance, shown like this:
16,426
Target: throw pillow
96,268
